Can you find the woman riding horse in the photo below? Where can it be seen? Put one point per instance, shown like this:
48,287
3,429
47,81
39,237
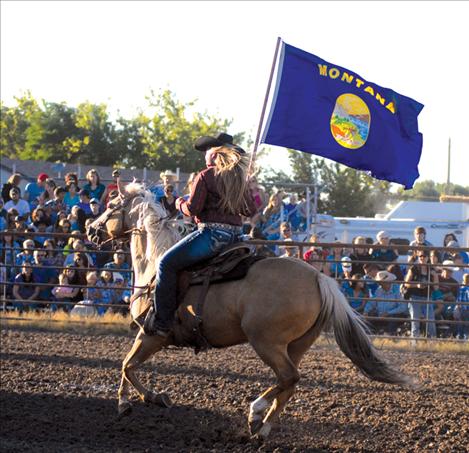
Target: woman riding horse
219,197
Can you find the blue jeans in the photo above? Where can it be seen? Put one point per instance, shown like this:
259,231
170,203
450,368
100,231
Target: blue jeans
416,311
198,246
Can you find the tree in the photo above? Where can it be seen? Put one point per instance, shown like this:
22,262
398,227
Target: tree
302,166
93,142
344,191
429,190
169,133
161,139
14,124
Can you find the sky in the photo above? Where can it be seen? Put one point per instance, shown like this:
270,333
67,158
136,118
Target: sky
220,53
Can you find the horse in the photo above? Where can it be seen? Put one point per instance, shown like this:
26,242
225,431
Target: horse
279,308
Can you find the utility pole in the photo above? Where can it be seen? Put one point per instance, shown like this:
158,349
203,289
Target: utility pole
448,178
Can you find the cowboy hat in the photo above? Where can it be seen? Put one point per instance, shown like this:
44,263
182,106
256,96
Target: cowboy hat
346,263
385,276
450,266
167,173
206,142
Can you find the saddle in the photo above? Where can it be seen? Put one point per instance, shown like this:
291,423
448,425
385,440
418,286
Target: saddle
232,263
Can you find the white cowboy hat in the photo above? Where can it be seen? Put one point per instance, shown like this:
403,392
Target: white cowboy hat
382,234
346,263
385,276
167,173
450,266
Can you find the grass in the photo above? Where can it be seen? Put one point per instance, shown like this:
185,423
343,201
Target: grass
110,323
117,324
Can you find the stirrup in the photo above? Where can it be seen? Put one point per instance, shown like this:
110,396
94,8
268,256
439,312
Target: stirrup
150,326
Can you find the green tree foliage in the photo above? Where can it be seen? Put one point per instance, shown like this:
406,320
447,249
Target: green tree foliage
344,192
169,132
302,166
429,190
14,125
161,138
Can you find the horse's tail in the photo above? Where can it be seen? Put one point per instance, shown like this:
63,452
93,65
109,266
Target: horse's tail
351,335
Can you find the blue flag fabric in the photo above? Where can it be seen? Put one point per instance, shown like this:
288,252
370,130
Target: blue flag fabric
324,109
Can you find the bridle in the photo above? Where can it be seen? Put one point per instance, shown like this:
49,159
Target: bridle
96,232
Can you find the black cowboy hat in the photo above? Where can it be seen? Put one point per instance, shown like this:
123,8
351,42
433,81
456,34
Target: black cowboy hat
204,143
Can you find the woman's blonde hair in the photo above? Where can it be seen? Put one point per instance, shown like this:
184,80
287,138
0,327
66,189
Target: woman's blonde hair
14,179
92,172
231,177
271,208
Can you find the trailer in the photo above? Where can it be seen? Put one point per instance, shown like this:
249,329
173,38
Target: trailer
438,219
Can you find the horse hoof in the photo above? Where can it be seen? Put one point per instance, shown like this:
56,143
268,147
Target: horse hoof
163,400
255,426
264,432
160,399
124,409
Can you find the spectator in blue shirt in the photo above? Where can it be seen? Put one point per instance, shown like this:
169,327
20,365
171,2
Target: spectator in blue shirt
119,265
93,185
461,312
71,198
85,202
293,213
43,274
346,265
3,216
385,254
95,207
8,253
34,190
334,258
384,309
26,291
77,218
26,255
356,293
167,178
106,289
54,206
371,270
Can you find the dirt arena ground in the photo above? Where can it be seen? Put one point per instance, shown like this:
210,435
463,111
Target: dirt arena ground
58,394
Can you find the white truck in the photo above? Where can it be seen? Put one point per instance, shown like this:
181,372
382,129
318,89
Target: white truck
438,219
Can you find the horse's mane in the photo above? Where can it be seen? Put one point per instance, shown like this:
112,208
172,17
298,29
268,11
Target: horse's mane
153,218
136,189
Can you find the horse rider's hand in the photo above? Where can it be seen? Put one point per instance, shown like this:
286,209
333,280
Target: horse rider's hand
179,201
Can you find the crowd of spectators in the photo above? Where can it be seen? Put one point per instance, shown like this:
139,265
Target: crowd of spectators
65,271
431,286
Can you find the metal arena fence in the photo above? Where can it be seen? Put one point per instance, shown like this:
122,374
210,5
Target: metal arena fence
444,324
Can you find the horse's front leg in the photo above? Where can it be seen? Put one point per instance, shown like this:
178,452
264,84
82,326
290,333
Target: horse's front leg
144,347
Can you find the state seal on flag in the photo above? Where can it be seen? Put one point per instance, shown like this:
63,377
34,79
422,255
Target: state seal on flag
350,121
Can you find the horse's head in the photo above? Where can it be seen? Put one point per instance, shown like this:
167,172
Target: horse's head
111,224
123,215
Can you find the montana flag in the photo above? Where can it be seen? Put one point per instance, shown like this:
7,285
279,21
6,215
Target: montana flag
324,109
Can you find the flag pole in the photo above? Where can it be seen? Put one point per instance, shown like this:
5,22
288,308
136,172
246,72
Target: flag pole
261,121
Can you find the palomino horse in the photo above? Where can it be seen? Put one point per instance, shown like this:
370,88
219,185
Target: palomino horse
280,308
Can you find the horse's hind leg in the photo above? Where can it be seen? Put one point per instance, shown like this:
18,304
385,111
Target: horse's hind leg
276,397
298,347
144,346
